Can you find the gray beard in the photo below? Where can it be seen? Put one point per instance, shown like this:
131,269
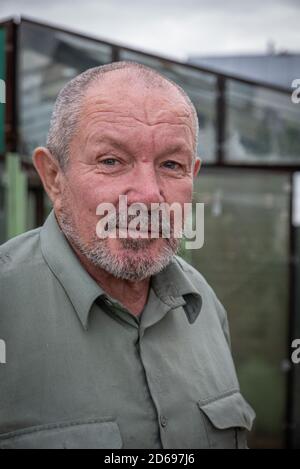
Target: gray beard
132,265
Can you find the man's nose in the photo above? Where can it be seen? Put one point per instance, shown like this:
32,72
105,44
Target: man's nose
145,185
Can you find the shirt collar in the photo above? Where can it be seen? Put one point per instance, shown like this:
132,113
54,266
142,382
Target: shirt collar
80,287
173,286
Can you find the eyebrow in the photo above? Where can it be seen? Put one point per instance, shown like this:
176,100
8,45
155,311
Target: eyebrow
104,140
122,146
174,149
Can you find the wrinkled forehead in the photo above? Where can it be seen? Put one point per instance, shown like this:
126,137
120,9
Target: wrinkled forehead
123,93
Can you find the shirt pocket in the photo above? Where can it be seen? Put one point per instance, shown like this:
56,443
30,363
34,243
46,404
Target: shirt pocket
100,433
227,421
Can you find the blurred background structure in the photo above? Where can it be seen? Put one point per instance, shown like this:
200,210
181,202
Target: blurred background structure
272,67
250,180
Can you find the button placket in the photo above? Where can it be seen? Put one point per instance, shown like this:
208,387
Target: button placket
163,421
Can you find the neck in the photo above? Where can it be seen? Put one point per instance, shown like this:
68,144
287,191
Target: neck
131,294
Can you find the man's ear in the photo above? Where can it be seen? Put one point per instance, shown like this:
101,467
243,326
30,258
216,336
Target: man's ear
197,166
49,171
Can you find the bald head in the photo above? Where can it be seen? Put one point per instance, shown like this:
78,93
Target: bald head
125,79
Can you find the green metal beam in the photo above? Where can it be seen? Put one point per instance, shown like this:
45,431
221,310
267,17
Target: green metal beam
16,196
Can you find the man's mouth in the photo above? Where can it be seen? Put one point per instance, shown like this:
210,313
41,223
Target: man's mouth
150,232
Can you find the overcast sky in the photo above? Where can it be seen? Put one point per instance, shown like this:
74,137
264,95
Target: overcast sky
175,28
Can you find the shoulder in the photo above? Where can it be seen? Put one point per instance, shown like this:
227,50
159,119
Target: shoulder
193,274
23,276
195,277
19,253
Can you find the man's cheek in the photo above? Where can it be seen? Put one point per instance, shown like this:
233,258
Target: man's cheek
85,201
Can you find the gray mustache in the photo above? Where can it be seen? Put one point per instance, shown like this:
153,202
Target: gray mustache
146,221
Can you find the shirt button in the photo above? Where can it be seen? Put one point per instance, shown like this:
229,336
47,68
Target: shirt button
163,421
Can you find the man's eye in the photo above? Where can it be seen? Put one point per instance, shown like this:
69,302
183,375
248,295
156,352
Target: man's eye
109,161
171,164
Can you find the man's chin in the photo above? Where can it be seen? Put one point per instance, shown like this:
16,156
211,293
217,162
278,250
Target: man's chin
137,259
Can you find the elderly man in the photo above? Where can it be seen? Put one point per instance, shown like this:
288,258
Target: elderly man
114,342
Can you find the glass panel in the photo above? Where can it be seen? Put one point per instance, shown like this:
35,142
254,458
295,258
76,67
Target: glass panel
200,87
2,206
2,90
48,59
262,126
296,332
245,259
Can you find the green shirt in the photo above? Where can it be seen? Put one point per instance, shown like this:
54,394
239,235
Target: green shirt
82,371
